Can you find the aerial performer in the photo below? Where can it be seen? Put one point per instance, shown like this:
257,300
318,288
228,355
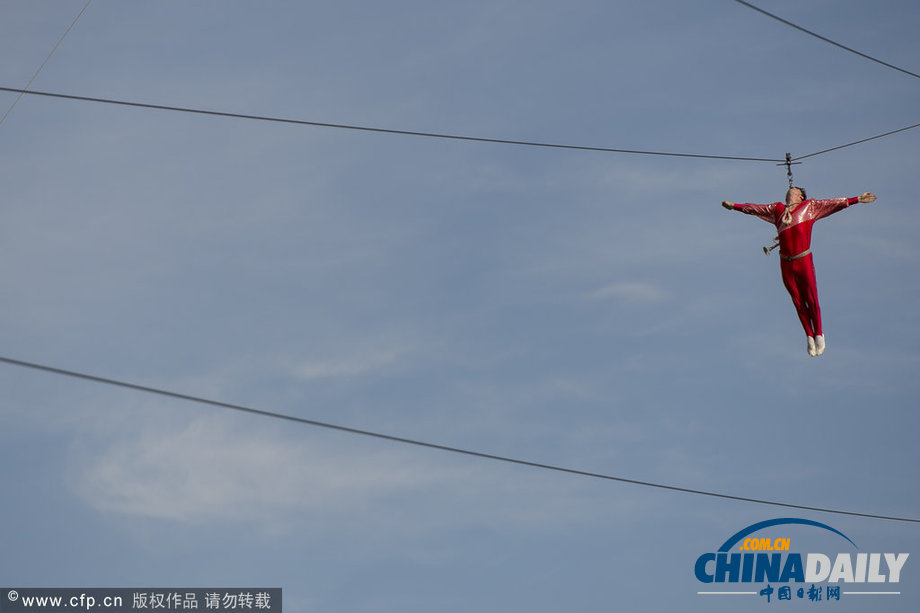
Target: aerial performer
793,221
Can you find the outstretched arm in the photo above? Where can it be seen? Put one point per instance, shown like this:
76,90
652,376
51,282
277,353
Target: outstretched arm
763,211
823,208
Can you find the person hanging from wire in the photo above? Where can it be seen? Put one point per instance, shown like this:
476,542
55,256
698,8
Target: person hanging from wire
794,221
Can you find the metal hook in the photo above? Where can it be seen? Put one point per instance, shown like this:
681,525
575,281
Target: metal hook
788,164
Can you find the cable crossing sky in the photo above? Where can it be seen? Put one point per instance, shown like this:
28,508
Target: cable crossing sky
341,126
55,48
827,40
435,446
20,92
303,122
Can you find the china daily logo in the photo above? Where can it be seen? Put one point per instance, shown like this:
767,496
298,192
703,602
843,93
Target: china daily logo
769,564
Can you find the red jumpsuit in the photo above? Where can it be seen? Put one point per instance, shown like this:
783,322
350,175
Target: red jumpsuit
796,264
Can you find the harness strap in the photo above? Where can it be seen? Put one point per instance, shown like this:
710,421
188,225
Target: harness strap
795,257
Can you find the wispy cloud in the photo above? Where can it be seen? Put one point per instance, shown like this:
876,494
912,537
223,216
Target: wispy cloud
632,292
348,364
206,470
211,470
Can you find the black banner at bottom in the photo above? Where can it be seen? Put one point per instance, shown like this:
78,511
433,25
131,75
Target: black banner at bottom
136,599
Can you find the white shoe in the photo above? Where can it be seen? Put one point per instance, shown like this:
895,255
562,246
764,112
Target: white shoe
812,348
819,344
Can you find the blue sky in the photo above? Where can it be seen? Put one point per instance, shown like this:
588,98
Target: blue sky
597,311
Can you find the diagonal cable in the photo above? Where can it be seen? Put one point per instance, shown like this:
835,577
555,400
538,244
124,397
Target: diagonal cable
418,443
827,40
857,142
302,122
60,40
481,139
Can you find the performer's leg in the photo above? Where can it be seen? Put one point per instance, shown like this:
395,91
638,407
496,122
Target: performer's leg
793,286
808,289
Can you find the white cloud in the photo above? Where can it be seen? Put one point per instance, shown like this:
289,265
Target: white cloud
206,470
210,470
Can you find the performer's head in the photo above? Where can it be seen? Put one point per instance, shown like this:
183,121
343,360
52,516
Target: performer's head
795,195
